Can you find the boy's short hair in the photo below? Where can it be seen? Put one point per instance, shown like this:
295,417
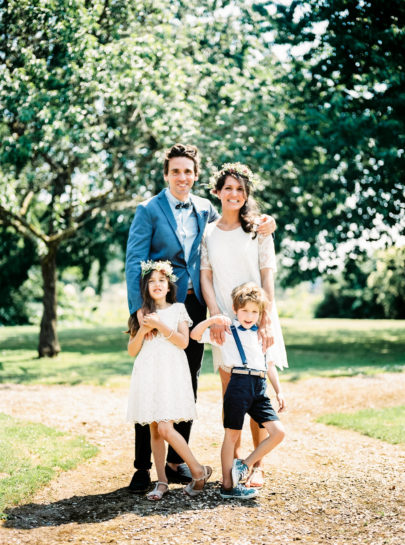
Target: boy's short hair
249,292
182,150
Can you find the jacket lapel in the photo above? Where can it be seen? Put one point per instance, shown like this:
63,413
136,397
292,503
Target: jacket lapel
200,214
165,206
201,222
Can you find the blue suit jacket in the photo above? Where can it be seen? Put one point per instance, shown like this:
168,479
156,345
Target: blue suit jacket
154,235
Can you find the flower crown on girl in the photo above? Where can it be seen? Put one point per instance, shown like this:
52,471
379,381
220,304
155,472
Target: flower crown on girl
162,266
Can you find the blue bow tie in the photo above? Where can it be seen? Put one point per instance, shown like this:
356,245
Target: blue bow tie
183,205
253,328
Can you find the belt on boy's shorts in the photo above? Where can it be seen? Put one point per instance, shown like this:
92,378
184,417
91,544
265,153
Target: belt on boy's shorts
253,372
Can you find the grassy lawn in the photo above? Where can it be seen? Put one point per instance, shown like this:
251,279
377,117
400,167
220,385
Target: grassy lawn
31,455
97,354
331,347
387,424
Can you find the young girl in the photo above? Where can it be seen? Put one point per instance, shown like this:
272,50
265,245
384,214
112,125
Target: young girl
161,391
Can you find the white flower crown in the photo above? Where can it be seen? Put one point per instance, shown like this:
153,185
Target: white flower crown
162,266
234,168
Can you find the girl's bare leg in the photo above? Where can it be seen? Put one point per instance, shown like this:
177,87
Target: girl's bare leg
225,378
178,443
159,453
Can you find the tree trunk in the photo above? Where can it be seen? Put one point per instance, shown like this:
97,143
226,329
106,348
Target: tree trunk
48,338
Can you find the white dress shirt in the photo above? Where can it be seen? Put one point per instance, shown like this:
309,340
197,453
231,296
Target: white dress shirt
187,224
230,353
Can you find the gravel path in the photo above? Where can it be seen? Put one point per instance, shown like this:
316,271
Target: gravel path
323,485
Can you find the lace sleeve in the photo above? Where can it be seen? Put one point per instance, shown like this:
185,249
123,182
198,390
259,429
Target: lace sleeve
205,262
183,315
267,254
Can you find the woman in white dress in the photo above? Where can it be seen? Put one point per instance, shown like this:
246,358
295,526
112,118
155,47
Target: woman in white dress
161,392
231,254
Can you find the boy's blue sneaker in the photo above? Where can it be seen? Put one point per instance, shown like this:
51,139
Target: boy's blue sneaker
239,492
239,472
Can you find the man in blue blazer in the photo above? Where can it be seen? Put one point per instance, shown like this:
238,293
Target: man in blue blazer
169,226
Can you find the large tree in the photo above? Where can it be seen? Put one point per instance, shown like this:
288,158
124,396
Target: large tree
341,156
92,92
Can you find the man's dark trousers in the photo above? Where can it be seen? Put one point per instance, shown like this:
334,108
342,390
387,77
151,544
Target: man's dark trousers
194,353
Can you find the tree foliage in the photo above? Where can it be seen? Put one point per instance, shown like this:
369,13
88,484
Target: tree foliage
368,287
388,282
341,154
90,95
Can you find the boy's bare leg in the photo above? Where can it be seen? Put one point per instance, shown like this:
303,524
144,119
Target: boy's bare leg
258,435
276,434
227,455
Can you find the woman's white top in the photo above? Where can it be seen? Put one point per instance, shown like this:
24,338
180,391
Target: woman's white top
234,257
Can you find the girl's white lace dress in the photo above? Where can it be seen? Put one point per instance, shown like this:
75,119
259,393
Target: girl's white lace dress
234,258
161,388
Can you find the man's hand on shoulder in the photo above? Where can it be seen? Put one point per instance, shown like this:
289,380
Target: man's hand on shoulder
267,225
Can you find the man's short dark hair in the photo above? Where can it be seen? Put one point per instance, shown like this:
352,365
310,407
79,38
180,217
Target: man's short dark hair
181,150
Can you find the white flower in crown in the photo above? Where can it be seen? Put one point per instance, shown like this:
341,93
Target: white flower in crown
235,168
163,266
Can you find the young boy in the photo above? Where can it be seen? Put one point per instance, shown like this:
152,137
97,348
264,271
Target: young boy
246,391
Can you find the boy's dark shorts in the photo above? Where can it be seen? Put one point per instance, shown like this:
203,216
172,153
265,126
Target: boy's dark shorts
247,394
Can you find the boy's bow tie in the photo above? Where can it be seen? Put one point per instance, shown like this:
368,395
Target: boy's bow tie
183,205
253,328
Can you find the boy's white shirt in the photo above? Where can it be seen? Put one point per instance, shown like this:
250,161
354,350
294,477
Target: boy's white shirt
230,353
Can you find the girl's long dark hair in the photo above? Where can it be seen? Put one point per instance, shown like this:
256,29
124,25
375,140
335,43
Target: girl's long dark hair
148,304
250,210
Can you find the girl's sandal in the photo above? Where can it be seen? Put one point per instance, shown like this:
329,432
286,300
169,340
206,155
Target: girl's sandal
156,494
189,490
256,478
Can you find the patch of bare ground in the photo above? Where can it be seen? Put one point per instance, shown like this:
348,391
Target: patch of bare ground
323,485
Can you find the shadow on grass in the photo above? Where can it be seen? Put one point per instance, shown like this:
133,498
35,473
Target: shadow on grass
102,507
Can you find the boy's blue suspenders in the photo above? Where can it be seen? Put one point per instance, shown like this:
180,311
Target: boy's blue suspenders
240,348
239,345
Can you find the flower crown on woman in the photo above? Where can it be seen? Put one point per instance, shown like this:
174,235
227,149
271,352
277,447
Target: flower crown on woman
238,169
162,266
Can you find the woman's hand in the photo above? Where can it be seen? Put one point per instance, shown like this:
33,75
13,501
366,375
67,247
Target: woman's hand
220,325
265,332
267,225
217,333
220,319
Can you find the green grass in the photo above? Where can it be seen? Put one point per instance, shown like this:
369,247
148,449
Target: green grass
97,354
90,354
31,455
387,424
332,347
